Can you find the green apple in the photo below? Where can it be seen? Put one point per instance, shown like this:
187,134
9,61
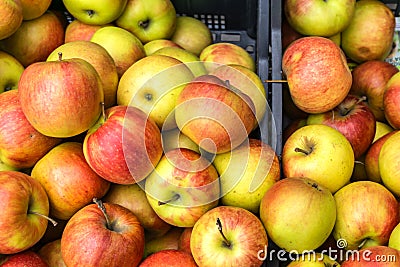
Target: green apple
154,45
149,19
6,167
95,12
316,17
11,17
381,129
124,47
11,70
394,238
192,34
389,163
32,9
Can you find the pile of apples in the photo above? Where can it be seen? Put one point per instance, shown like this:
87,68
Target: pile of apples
128,138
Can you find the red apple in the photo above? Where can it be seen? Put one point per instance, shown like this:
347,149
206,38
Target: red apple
61,98
124,146
353,119
103,235
80,31
69,181
391,101
51,253
317,73
376,256
25,258
21,145
369,81
170,258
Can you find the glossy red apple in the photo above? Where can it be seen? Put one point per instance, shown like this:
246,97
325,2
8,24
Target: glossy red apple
170,258
26,258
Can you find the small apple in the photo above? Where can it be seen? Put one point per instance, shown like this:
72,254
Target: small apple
192,34
77,30
26,258
382,128
321,153
388,163
169,240
376,256
184,240
169,257
394,238
228,236
32,9
391,101
96,13
51,253
366,213
11,70
154,45
11,14
148,19
174,138
103,235
322,90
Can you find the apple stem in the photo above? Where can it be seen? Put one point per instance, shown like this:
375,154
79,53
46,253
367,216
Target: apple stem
44,216
175,197
59,56
344,111
101,206
362,243
359,162
275,81
219,225
103,111
297,149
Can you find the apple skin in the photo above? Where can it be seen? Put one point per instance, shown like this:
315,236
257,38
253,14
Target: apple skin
95,13
169,240
12,16
369,80
69,91
227,121
68,180
99,58
353,119
192,34
376,256
51,254
391,101
77,30
149,19
184,240
154,45
331,78
169,257
292,194
87,240
35,39
369,36
20,225
174,138
243,230
388,163
183,186
372,158
25,258
133,197
382,128
32,9
290,110
21,146
247,173
329,159
394,238
319,18
11,70
217,54
366,213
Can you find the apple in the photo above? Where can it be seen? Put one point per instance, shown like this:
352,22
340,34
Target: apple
394,238
372,158
388,163
192,34
51,254
99,58
227,121
25,258
124,47
376,256
11,14
68,180
148,19
6,167
102,234
169,240
153,84
228,236
313,260
321,18
32,9
21,146
191,60
169,257
224,53
391,101
11,70
382,128
369,80
183,186
321,153
77,30
184,240
174,138
353,119
313,88
369,35
247,173
23,220
96,13
133,197
152,46
123,146
35,39
301,198
69,91
366,213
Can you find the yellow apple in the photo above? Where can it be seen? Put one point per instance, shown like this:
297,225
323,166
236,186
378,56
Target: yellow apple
156,44
174,138
381,129
11,70
11,17
32,9
389,163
